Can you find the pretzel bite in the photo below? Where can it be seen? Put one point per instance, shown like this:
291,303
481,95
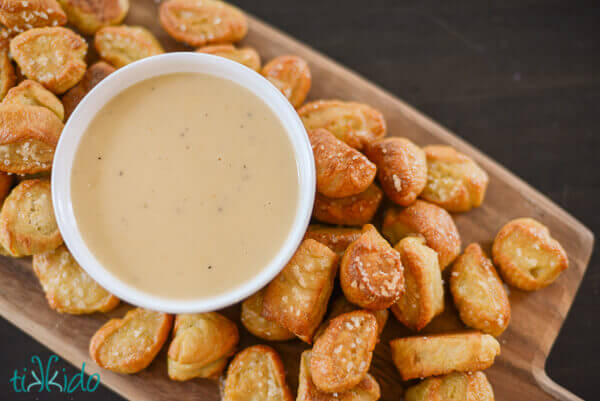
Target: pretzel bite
353,210
27,223
199,23
454,181
130,344
371,273
68,288
342,355
423,297
90,15
7,71
291,75
31,93
401,168
341,170
247,56
121,45
424,219
94,74
201,344
28,137
18,15
457,386
53,57
443,353
297,298
341,305
354,123
478,293
527,256
259,326
335,238
367,390
256,374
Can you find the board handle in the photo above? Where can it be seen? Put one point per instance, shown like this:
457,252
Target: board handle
549,386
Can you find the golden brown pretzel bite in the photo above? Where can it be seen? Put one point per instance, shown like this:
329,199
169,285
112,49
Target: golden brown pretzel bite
341,170
440,354
27,223
371,273
256,374
335,238
428,221
454,181
121,45
198,23
31,93
247,56
341,305
18,15
28,137
257,325
367,390
94,74
353,210
291,75
342,355
457,386
68,288
478,293
527,256
53,57
130,344
423,297
201,344
354,123
90,15
401,168
297,298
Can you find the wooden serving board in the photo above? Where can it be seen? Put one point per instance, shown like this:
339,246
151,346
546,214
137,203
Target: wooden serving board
537,317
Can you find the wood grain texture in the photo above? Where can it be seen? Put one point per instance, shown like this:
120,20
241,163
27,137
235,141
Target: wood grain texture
537,317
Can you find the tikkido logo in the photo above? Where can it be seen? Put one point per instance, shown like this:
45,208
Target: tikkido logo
46,378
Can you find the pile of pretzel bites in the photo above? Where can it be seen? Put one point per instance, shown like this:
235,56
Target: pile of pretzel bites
406,266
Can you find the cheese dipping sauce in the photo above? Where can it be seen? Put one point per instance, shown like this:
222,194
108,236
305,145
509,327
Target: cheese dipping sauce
185,185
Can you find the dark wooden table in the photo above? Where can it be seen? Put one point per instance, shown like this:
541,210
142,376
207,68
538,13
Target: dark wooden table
520,81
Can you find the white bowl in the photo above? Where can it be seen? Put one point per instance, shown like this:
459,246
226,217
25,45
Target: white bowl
152,67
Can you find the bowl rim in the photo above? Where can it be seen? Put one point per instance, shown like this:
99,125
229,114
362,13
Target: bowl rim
123,78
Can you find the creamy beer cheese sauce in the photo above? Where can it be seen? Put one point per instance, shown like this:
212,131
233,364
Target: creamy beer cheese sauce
185,185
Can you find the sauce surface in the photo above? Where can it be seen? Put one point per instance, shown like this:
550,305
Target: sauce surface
185,185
